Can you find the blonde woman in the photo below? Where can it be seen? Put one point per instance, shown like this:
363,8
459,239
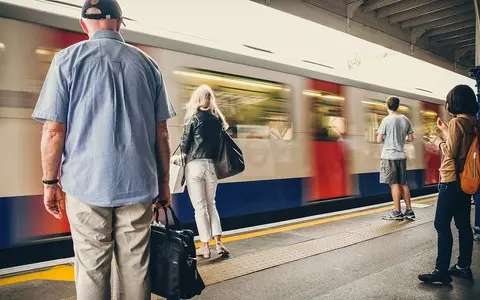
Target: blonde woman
203,125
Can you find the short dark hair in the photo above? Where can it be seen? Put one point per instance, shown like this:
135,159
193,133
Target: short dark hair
462,100
393,103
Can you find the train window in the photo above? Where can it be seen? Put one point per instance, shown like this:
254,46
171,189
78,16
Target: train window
375,112
254,109
327,109
44,57
12,98
429,122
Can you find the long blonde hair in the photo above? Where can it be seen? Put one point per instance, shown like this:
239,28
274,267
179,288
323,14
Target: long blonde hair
203,98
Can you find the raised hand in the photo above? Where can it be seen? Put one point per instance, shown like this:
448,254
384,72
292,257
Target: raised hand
442,125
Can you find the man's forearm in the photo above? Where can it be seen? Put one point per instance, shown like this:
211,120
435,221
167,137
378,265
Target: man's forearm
163,154
53,141
380,138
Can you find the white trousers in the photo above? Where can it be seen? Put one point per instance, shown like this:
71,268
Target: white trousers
98,234
202,187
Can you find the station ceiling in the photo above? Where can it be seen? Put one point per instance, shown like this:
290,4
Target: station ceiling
443,27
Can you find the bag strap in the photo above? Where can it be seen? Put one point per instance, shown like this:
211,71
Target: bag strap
456,160
176,149
182,158
176,220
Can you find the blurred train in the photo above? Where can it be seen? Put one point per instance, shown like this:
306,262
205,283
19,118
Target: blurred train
308,136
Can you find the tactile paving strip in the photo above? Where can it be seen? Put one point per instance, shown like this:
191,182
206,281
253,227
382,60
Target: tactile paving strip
239,266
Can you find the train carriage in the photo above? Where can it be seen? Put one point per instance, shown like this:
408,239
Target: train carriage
308,134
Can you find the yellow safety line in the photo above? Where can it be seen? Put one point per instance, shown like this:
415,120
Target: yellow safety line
253,234
66,272
60,273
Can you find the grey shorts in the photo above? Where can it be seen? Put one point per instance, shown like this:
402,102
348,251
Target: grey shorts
393,171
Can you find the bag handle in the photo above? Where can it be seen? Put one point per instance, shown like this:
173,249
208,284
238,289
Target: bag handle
176,220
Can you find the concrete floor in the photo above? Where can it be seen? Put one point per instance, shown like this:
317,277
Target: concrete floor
385,267
382,268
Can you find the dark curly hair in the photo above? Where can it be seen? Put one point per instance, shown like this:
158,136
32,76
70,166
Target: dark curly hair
462,100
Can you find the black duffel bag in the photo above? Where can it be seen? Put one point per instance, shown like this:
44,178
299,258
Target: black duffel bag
230,157
173,264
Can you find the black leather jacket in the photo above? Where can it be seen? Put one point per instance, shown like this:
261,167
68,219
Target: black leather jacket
200,137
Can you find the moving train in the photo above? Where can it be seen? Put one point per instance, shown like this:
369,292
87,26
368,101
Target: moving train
307,133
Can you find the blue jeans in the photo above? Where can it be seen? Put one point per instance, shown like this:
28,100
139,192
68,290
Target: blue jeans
453,203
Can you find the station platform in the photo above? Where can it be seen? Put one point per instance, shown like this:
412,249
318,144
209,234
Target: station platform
346,255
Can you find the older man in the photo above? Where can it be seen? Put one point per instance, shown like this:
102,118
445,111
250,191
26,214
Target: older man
104,106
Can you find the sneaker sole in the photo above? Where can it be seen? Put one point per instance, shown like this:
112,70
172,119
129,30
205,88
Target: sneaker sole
410,218
462,277
393,219
449,281
437,282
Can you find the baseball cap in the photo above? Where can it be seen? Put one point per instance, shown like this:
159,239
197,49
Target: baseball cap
101,9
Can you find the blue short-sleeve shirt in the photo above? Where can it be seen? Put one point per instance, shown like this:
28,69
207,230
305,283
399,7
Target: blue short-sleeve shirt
110,95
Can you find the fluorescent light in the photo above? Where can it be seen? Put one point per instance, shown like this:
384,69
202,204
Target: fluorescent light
429,113
323,96
228,80
333,97
372,102
381,103
49,52
311,94
41,51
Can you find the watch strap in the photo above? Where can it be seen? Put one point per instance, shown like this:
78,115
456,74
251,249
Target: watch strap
50,182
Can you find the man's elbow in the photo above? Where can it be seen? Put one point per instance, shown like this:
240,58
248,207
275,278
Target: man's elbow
53,128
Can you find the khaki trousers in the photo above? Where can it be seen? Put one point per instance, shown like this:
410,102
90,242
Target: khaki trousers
98,234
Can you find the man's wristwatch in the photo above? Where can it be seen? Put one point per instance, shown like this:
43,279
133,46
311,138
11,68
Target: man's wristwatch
50,182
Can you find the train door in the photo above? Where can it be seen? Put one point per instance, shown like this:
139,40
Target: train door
329,176
429,114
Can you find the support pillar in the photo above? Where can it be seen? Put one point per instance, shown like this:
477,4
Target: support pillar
475,72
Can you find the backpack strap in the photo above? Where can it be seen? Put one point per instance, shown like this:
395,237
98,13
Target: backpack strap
456,160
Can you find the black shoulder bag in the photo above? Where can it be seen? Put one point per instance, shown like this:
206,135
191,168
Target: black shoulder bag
173,262
230,157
